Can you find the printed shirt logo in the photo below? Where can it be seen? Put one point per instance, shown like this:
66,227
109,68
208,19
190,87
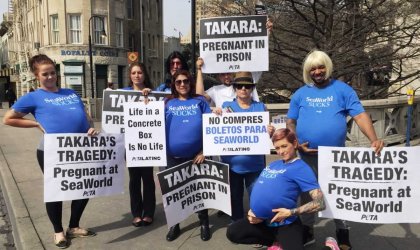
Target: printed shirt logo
271,174
61,101
319,102
184,110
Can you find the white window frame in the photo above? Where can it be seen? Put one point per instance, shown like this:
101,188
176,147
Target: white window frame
98,26
119,32
75,28
55,31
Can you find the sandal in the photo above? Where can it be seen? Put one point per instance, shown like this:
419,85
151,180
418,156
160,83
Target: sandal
62,244
81,233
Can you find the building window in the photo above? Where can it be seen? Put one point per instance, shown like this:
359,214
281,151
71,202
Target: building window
130,9
98,27
75,29
131,43
119,33
54,30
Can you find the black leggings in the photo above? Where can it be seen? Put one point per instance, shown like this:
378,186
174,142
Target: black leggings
142,205
54,209
289,236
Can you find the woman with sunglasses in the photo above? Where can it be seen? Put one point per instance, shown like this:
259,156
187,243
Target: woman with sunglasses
244,169
183,113
142,206
175,61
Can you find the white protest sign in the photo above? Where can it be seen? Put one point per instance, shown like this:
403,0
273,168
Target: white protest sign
78,166
242,133
232,44
112,107
360,186
145,139
189,188
279,121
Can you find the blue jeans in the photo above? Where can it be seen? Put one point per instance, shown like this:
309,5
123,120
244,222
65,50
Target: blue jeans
237,191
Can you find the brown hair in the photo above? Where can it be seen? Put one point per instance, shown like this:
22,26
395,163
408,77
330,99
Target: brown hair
282,133
37,60
147,82
174,93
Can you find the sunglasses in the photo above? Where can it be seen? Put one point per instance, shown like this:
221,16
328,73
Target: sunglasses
246,86
185,81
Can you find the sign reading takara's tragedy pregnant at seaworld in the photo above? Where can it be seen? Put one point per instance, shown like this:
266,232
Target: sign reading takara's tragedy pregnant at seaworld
189,188
112,107
78,166
361,186
236,134
232,44
145,139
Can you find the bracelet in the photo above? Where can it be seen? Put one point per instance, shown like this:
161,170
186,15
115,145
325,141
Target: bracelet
293,211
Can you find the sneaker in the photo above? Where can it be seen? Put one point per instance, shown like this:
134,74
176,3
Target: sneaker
331,243
275,246
343,239
308,236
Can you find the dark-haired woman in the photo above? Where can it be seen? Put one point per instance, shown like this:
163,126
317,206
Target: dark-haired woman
142,205
174,62
273,215
56,111
184,134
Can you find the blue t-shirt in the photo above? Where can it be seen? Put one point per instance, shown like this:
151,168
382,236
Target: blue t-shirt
321,113
163,88
128,88
279,186
242,164
184,126
58,112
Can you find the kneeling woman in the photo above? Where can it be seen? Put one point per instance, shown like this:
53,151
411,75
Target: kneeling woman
183,111
273,216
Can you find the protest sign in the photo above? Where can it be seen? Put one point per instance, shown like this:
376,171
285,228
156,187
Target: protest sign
78,166
360,186
189,188
279,121
243,133
112,107
232,44
145,138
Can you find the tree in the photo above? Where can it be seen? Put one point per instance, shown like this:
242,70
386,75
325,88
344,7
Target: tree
373,43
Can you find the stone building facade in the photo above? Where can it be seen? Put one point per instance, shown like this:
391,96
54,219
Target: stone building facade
60,29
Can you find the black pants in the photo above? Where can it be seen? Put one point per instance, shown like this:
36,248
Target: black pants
142,205
54,209
203,215
289,236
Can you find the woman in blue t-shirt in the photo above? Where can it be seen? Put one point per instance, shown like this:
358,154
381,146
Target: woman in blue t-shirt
273,215
243,169
142,206
56,111
183,113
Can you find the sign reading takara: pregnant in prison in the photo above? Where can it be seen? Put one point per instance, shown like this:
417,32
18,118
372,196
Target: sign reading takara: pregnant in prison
78,166
112,107
189,188
360,186
232,44
145,139
236,134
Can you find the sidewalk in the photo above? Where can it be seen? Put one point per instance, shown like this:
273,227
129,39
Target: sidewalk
22,184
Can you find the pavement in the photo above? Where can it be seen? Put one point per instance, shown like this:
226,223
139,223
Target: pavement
22,184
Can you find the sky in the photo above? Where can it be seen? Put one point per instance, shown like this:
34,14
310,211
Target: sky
3,8
176,17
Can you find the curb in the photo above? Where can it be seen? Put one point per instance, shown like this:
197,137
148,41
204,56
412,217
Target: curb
24,232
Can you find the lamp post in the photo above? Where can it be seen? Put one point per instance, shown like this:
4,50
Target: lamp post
103,34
